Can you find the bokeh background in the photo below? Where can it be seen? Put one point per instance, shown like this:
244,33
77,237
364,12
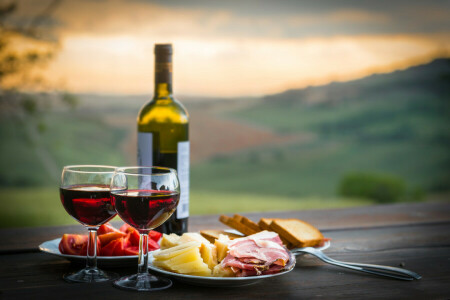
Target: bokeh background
293,104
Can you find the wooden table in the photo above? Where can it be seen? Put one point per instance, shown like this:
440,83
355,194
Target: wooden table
415,236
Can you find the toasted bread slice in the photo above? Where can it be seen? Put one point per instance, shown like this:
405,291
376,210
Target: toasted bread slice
231,222
297,232
249,223
238,218
212,235
264,224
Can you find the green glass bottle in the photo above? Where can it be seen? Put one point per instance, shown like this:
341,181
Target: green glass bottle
163,136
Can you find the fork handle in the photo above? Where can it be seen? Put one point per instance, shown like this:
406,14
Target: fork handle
385,271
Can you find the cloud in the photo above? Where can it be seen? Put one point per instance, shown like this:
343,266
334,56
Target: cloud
234,48
233,67
339,16
246,19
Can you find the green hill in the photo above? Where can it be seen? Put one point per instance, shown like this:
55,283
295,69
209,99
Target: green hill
69,138
395,123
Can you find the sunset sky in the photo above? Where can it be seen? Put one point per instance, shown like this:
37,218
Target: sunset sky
238,48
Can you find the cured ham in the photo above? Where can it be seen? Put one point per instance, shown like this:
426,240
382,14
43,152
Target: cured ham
258,254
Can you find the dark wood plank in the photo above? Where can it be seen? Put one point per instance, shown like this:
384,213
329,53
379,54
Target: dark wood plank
422,248
28,239
368,216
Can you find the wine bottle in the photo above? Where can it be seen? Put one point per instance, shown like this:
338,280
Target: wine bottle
163,136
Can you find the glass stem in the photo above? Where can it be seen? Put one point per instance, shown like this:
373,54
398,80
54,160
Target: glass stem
143,254
92,249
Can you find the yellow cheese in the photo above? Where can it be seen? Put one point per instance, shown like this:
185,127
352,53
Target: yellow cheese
220,271
193,237
222,247
162,264
197,267
169,240
209,255
174,251
191,254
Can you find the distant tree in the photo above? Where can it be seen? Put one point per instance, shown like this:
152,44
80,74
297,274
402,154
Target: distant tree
25,48
379,187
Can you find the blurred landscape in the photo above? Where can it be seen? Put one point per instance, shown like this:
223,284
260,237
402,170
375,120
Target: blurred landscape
293,104
291,150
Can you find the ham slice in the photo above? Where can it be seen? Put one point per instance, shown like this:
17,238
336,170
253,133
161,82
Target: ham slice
259,237
243,273
258,254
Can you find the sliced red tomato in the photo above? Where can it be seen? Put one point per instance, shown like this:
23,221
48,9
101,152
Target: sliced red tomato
73,244
129,248
154,235
132,241
108,250
60,247
110,242
125,228
106,228
133,235
119,247
152,245
132,250
106,238
99,248
134,238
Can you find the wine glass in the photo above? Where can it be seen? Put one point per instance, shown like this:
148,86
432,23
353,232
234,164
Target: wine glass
144,197
85,194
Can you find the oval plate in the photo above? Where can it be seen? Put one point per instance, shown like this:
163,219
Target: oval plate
223,281
51,247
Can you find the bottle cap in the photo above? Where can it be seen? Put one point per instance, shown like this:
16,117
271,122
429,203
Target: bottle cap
164,49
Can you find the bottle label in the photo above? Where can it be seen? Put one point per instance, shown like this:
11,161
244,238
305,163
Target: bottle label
163,72
183,177
145,149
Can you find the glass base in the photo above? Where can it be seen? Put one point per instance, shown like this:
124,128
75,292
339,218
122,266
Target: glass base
89,275
143,283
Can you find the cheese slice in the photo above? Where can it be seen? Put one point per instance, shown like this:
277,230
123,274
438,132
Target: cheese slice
174,251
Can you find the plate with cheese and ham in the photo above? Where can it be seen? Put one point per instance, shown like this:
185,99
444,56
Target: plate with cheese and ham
221,258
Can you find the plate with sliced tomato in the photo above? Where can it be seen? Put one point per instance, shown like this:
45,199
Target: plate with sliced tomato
115,247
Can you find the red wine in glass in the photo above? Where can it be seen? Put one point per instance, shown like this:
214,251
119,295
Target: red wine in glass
85,195
91,205
145,209
144,197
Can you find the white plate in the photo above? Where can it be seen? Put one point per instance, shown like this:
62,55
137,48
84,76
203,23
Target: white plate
51,247
221,281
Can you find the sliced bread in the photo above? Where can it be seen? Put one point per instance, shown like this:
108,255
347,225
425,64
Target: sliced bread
231,222
249,223
297,232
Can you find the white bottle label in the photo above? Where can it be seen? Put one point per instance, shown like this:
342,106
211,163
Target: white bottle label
183,177
145,149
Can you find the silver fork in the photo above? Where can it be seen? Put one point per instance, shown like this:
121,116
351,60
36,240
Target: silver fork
385,271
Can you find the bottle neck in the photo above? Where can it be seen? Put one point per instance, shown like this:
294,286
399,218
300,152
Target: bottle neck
163,90
163,76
